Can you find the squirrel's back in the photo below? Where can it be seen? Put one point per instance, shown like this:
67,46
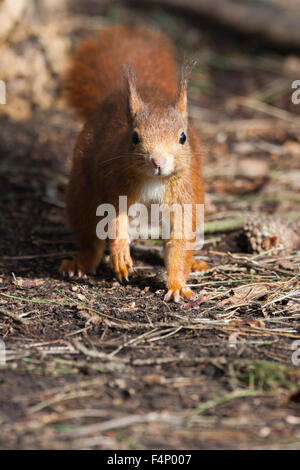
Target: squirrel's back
95,70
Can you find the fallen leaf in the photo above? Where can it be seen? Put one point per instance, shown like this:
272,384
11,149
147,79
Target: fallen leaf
244,294
27,283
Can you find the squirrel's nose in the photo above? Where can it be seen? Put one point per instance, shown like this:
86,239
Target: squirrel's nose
155,163
158,164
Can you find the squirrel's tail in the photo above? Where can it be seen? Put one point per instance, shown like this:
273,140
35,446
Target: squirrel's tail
95,69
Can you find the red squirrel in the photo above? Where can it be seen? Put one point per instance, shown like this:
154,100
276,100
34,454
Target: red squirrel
137,142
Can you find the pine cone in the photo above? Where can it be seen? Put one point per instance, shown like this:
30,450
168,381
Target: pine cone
262,233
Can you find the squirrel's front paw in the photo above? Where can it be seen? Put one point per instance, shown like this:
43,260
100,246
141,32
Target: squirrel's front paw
120,258
177,292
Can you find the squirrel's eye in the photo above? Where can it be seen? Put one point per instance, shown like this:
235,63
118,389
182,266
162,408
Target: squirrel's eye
135,138
182,138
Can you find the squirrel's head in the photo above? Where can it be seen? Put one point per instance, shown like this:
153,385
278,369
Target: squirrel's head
159,135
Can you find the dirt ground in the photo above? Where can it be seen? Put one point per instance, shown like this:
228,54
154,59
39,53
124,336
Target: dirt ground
94,364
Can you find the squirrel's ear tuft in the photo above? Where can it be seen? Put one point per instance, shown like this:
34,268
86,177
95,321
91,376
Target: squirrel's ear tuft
134,100
181,96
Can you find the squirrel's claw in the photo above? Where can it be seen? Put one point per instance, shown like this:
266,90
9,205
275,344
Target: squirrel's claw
71,268
122,262
175,294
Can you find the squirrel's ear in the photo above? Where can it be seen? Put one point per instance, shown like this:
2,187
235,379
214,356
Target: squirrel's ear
181,96
134,100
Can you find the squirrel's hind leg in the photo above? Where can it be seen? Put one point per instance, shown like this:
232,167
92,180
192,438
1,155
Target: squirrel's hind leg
86,260
199,265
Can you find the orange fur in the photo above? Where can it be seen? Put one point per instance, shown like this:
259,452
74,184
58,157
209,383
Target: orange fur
95,70
125,81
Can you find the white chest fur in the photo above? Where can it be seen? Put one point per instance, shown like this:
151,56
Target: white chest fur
152,191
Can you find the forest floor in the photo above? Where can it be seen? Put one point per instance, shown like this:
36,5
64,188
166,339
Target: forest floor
91,363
